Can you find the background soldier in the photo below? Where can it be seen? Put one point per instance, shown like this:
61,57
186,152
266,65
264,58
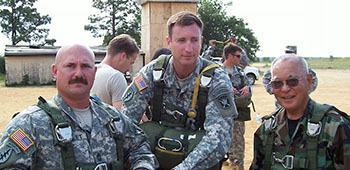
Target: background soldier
72,131
178,120
110,82
242,93
302,134
209,52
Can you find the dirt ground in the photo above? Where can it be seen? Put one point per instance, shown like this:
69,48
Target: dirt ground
333,88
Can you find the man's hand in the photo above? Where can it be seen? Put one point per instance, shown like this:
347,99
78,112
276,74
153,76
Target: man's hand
212,43
235,91
245,91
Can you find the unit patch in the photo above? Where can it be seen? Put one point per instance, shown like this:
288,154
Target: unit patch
5,155
22,139
224,101
140,82
128,95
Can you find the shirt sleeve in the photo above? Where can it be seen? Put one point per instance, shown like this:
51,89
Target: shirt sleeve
116,87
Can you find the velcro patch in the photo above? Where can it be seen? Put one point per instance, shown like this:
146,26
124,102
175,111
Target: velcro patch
140,82
22,139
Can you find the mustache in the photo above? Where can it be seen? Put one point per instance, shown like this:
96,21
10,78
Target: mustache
78,80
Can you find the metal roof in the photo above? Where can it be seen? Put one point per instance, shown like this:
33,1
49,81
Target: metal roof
25,50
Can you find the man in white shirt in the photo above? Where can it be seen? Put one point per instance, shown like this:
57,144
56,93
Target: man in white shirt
110,82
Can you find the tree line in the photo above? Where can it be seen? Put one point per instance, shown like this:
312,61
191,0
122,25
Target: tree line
21,22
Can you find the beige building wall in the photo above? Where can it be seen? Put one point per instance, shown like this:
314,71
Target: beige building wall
155,14
37,68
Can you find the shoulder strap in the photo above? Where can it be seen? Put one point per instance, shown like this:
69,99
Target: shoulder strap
158,74
203,94
118,136
270,138
59,122
317,113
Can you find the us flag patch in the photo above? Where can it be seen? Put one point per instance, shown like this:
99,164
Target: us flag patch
140,82
21,139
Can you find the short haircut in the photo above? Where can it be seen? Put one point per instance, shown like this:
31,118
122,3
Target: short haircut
183,18
302,66
230,48
161,51
122,43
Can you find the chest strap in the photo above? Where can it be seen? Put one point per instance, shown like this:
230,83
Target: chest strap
314,127
200,91
62,132
63,137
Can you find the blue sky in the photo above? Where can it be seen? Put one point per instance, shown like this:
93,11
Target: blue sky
319,28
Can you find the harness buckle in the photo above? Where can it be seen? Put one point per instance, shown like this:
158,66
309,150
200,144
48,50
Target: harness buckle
270,123
287,161
169,139
205,80
115,126
63,132
313,129
157,74
101,166
175,114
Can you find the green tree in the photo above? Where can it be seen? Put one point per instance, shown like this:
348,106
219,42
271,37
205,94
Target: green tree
115,17
21,22
219,26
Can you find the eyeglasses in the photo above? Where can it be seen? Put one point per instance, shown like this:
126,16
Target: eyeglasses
237,55
276,84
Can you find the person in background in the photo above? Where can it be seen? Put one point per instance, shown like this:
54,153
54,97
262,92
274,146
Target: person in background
161,51
168,84
73,131
110,82
242,92
209,52
302,134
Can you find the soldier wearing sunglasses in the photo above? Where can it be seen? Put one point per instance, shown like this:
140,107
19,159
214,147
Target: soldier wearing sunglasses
302,134
242,93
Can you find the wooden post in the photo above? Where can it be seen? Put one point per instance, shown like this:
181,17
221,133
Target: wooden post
155,14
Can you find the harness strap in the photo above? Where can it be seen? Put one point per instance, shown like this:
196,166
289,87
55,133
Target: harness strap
118,138
318,111
67,153
201,94
269,142
157,103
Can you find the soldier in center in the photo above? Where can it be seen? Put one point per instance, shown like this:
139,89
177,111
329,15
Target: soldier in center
242,93
191,101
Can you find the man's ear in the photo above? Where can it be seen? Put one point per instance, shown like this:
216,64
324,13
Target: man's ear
309,81
168,41
54,70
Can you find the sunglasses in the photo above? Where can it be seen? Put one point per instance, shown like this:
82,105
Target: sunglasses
238,55
276,84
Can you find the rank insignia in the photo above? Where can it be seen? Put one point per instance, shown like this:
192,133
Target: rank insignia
22,139
140,82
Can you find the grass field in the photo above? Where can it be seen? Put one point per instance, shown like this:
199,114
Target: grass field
323,63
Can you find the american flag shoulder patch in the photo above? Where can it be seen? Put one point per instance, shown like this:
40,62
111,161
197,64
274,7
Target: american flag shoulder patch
22,139
140,82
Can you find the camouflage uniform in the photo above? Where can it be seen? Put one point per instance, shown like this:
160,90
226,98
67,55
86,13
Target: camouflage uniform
267,78
236,153
333,144
218,112
94,145
242,63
